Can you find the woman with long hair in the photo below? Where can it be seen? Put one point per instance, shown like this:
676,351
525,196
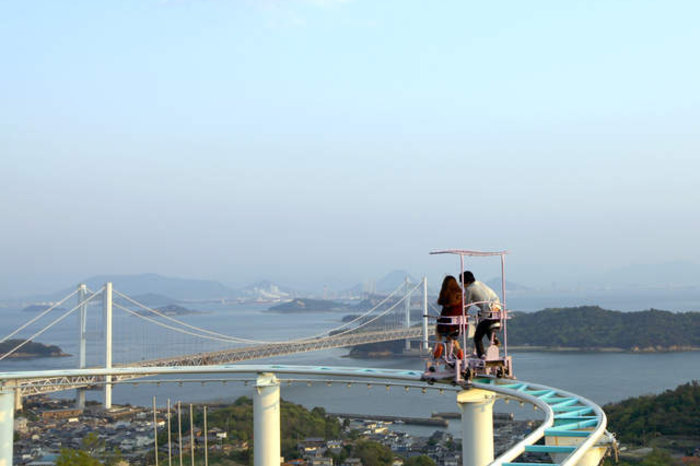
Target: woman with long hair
451,301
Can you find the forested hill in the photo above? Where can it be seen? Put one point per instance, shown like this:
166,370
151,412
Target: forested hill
591,327
30,350
674,412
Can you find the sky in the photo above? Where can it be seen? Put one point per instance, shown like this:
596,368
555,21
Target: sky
320,142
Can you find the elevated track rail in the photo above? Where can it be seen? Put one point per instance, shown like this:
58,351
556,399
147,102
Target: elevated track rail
573,428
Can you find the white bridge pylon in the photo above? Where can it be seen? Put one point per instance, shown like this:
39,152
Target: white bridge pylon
573,427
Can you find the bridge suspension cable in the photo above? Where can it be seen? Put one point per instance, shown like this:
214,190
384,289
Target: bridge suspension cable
186,332
391,308
216,336
59,319
31,321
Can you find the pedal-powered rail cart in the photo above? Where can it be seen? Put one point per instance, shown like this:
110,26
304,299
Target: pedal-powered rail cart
495,362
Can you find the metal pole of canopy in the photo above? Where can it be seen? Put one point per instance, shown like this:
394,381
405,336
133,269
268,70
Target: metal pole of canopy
425,314
503,311
463,325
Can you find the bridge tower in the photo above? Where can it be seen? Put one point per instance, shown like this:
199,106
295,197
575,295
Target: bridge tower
107,307
82,314
407,310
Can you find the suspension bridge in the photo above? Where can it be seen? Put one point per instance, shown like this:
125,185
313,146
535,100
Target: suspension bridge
387,320
571,432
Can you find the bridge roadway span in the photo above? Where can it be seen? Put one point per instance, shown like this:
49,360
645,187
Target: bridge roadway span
573,427
50,384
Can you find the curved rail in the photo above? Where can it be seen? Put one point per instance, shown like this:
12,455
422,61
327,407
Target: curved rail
566,415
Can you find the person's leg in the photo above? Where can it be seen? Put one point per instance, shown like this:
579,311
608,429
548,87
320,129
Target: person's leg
437,352
458,349
479,333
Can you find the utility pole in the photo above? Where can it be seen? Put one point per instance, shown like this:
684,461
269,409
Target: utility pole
179,431
191,435
155,429
170,446
206,439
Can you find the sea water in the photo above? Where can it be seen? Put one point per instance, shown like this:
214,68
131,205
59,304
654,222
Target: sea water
600,377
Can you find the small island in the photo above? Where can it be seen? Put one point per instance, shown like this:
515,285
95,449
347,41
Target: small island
40,308
169,310
175,310
31,350
308,305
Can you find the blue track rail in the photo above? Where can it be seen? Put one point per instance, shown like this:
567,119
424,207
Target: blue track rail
572,424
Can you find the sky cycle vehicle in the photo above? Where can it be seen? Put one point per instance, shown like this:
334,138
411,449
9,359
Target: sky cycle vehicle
459,367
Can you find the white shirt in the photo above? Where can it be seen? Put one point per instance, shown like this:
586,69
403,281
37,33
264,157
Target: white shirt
478,292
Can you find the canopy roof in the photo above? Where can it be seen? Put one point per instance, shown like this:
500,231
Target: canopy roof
464,252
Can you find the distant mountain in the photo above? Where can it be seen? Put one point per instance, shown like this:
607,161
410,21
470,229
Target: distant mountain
154,284
392,280
353,292
154,299
157,290
495,283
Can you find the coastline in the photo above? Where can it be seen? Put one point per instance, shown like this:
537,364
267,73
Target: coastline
603,349
36,355
541,349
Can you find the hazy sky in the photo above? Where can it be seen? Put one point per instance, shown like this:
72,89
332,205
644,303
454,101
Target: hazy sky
332,141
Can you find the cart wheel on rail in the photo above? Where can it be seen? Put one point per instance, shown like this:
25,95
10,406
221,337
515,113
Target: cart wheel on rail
467,374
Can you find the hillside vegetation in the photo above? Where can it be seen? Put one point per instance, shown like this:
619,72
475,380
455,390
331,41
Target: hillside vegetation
297,423
30,349
667,420
591,327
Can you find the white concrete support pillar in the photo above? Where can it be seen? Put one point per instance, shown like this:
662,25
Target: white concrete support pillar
82,314
266,421
18,399
7,426
407,310
425,314
107,306
477,426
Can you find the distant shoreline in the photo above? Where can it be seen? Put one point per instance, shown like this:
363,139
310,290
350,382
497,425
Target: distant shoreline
36,355
538,349
602,349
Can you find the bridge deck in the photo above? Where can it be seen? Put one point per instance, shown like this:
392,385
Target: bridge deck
44,385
